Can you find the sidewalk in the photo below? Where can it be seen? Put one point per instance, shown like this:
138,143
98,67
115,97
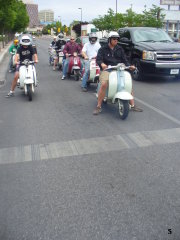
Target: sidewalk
4,63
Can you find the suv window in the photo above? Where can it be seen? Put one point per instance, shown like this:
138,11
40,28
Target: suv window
124,34
121,31
127,34
156,35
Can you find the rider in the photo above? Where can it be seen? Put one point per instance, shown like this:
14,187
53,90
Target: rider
89,51
58,45
52,44
12,51
69,49
25,51
110,54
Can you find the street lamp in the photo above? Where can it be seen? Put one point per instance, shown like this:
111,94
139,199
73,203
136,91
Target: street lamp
116,11
81,19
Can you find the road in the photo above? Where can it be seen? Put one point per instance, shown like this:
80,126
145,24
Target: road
67,174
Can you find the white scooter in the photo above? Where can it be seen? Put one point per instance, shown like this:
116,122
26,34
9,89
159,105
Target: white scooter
27,78
60,58
13,65
94,72
119,89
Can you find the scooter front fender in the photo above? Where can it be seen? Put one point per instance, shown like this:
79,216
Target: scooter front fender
122,95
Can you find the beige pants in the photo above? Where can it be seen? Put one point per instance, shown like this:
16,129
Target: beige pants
104,77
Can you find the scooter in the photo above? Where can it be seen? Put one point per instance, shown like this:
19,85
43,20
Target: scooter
13,65
119,89
60,58
74,66
52,55
27,78
94,72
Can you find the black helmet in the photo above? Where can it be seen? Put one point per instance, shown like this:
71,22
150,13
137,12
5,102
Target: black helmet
93,38
60,36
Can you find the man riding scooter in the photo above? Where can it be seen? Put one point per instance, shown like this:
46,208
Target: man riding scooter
89,51
110,54
70,48
12,51
25,51
58,45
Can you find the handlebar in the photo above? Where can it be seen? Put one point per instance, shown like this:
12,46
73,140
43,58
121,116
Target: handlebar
26,62
119,66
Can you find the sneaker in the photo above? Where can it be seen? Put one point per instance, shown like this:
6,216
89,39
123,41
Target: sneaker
84,89
54,68
136,109
63,77
10,70
10,94
97,111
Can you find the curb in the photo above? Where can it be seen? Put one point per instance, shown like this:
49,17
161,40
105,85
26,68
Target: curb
4,51
3,65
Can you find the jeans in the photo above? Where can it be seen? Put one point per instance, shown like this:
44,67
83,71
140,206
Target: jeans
86,73
65,66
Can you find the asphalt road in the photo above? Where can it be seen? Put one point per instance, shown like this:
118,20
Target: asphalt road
66,174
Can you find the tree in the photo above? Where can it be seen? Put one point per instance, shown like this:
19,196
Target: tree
77,27
112,21
13,16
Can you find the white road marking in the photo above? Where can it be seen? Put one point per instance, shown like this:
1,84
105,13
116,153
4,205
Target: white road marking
88,146
159,111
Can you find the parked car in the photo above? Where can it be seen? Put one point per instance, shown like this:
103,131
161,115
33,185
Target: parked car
152,51
103,41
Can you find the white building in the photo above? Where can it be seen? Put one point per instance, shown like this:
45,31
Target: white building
172,22
46,16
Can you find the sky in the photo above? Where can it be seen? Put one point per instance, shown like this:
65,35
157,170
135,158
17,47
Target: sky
67,11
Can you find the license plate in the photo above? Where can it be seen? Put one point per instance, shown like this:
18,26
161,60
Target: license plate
174,71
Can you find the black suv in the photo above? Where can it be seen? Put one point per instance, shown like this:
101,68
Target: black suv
152,51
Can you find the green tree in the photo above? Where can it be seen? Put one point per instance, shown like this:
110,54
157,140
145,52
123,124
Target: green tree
13,16
112,21
153,17
22,18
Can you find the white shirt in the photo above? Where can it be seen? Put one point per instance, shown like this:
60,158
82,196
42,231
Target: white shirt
91,49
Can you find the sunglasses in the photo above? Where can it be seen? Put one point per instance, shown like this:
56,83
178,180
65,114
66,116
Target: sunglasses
115,39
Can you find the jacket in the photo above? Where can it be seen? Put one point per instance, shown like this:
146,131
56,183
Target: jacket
71,48
111,57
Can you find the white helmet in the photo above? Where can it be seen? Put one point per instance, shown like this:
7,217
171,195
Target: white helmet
113,34
25,40
92,38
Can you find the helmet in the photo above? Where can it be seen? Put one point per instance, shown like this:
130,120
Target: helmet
60,36
16,41
25,41
113,34
93,38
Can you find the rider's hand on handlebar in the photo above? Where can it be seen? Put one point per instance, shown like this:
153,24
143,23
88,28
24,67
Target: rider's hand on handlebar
36,61
132,67
104,66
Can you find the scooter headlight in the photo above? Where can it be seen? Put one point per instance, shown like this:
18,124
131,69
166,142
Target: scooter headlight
148,55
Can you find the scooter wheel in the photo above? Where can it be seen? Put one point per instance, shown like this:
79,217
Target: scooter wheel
29,92
123,106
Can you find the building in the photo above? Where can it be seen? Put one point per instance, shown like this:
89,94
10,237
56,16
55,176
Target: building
172,22
172,17
46,16
32,10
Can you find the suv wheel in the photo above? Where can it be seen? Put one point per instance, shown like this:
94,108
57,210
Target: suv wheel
137,74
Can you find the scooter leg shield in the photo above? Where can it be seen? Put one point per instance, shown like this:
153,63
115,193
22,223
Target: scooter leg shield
22,75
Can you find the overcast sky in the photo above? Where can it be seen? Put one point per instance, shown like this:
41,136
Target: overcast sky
68,10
